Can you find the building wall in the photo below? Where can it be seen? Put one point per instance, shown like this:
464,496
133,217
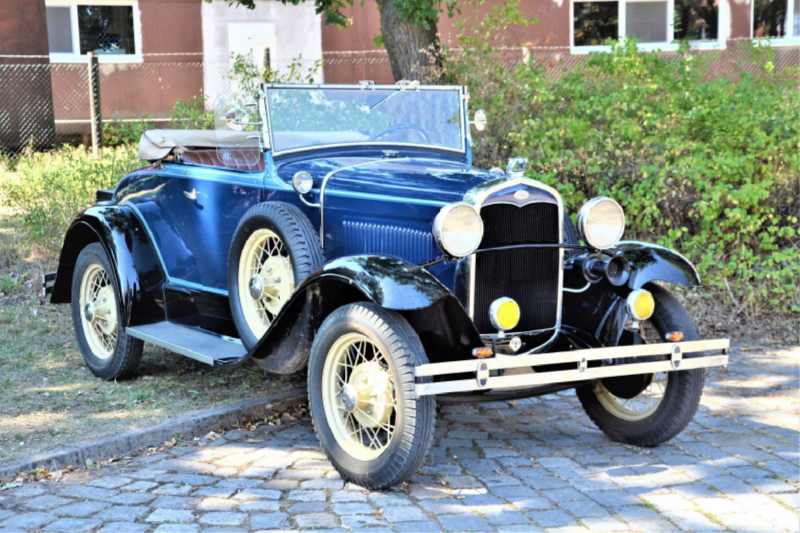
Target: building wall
290,32
26,103
344,48
172,30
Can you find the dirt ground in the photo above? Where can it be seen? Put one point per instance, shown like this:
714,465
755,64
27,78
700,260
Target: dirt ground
48,398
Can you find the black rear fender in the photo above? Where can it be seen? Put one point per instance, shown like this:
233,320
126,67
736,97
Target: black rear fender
138,269
446,331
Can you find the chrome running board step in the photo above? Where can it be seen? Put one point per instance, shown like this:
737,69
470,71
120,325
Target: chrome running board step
203,346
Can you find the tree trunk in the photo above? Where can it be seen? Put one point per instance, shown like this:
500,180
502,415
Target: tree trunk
413,50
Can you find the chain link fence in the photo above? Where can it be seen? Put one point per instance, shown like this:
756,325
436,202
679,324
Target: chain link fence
43,104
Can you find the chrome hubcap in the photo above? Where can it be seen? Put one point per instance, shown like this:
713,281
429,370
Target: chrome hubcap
349,398
88,312
256,287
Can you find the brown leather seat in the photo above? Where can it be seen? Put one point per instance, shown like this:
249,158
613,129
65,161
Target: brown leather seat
234,158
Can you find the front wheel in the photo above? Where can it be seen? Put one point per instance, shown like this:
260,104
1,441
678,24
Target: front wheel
361,393
652,409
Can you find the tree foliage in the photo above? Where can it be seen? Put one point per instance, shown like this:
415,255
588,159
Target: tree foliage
703,163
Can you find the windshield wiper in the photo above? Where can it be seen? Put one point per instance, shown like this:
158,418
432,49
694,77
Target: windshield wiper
410,85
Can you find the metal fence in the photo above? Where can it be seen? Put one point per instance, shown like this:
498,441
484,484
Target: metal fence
41,104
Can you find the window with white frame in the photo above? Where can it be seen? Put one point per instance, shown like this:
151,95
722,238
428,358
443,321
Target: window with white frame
109,29
776,19
655,23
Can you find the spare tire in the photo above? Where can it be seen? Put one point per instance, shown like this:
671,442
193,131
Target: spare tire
275,247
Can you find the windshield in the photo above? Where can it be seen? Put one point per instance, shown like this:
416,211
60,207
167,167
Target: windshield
305,117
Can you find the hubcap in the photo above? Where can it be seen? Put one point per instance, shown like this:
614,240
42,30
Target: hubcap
359,396
349,398
256,287
266,266
99,304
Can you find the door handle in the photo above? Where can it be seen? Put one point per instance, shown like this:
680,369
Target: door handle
191,195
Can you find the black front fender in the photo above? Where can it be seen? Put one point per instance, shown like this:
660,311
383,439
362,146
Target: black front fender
430,308
652,262
138,270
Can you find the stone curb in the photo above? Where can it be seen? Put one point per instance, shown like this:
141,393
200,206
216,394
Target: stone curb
188,426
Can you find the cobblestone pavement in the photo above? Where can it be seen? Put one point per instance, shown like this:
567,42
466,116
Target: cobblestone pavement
518,466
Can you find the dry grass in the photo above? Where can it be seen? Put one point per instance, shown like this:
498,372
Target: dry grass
48,398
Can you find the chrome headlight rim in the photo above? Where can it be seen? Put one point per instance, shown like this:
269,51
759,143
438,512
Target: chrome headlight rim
438,226
582,219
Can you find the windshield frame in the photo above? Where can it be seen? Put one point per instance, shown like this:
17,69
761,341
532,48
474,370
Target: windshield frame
462,102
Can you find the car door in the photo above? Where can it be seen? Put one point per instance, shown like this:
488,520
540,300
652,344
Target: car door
192,213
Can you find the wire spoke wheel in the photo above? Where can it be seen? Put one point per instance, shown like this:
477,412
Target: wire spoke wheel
359,396
98,306
266,279
646,402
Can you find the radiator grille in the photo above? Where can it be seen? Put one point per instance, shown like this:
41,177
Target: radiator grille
528,275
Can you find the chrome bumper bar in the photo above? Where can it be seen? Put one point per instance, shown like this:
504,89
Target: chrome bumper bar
482,367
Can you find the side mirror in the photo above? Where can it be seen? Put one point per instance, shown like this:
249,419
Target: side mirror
237,119
480,120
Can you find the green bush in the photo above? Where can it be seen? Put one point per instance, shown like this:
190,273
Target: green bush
705,164
48,189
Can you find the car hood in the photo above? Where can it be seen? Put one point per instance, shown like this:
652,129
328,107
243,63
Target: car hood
431,181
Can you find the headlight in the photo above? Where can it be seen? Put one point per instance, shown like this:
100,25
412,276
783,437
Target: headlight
458,229
601,223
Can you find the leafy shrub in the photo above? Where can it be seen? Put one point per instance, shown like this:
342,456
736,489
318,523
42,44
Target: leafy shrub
191,114
709,165
48,189
118,131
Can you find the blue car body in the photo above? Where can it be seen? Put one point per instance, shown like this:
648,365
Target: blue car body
168,228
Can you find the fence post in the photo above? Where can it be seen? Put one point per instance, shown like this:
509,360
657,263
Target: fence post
94,104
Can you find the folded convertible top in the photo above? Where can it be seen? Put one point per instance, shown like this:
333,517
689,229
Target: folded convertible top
158,144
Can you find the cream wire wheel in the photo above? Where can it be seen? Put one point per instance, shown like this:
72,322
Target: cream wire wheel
646,402
266,279
640,406
647,410
98,307
359,396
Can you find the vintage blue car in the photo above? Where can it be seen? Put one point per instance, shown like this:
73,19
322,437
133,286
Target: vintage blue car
343,229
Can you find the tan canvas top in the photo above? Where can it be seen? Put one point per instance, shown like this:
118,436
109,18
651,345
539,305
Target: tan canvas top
158,144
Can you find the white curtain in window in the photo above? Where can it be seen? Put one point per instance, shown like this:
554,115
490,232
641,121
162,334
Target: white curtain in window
647,21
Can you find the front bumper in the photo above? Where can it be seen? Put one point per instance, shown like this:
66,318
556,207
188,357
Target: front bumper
582,371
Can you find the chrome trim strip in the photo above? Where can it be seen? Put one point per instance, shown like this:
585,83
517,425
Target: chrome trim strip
574,356
578,357
564,376
476,198
322,193
197,286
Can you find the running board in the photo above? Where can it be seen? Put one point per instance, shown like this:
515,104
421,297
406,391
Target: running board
203,346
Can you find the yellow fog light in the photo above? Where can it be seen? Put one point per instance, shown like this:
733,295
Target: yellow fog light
504,313
640,304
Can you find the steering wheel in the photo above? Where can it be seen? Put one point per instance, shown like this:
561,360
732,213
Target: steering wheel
396,127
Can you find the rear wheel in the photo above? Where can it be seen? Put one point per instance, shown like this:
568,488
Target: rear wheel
361,392
99,319
650,409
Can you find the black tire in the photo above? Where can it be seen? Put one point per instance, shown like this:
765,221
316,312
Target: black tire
127,351
683,391
300,239
414,417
